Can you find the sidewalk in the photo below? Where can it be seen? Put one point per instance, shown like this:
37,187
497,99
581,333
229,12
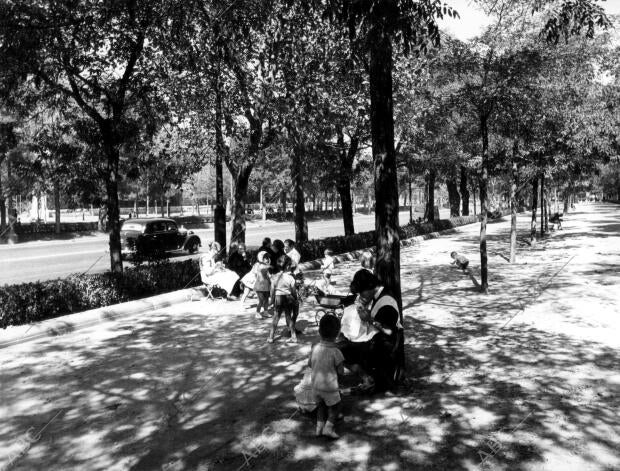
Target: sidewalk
525,378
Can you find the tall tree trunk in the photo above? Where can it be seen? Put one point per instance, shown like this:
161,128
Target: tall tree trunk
547,209
464,192
484,269
57,207
343,183
429,211
410,197
113,211
384,157
9,180
453,197
542,205
299,209
241,180
2,206
513,206
534,207
565,194
221,150
474,198
344,190
283,201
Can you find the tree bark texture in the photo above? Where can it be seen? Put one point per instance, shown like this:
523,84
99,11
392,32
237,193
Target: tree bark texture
547,210
343,183
384,157
453,196
429,210
2,208
219,213
113,212
410,197
299,210
464,192
57,207
241,180
534,208
484,176
513,211
542,205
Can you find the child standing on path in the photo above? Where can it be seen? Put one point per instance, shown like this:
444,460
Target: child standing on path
327,265
326,361
262,285
284,297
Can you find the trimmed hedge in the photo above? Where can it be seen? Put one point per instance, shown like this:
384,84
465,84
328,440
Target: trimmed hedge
50,227
32,302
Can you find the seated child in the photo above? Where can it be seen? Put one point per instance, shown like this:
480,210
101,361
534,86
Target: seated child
326,361
459,260
324,285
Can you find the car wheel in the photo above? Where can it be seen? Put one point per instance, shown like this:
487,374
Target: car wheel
193,247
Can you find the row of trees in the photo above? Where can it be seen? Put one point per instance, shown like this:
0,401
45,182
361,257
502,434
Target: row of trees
306,97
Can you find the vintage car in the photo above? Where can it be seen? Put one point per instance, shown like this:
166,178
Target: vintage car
155,236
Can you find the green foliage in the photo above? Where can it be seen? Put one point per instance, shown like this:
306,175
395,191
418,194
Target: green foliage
33,302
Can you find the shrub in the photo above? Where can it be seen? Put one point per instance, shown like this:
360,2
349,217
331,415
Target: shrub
32,302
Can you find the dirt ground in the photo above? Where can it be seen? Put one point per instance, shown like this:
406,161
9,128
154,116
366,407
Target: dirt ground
525,378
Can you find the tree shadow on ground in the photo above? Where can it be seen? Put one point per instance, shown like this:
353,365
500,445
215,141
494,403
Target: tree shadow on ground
199,388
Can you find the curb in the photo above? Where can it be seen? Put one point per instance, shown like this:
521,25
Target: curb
15,335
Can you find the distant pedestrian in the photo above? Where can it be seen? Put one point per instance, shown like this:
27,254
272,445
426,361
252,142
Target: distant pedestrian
459,260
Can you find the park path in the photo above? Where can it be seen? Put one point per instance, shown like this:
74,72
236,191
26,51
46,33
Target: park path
525,378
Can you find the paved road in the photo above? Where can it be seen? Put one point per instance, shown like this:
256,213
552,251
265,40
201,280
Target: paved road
33,261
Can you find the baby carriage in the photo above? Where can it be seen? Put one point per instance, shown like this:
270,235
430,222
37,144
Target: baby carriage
332,304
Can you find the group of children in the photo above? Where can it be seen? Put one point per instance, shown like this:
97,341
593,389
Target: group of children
275,278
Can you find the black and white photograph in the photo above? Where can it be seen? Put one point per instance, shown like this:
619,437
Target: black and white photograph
312,235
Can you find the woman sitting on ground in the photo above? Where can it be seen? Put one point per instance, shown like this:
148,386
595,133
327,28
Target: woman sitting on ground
372,340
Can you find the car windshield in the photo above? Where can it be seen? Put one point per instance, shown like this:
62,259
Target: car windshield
132,226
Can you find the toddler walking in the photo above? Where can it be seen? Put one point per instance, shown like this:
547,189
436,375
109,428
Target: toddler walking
326,361
284,297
